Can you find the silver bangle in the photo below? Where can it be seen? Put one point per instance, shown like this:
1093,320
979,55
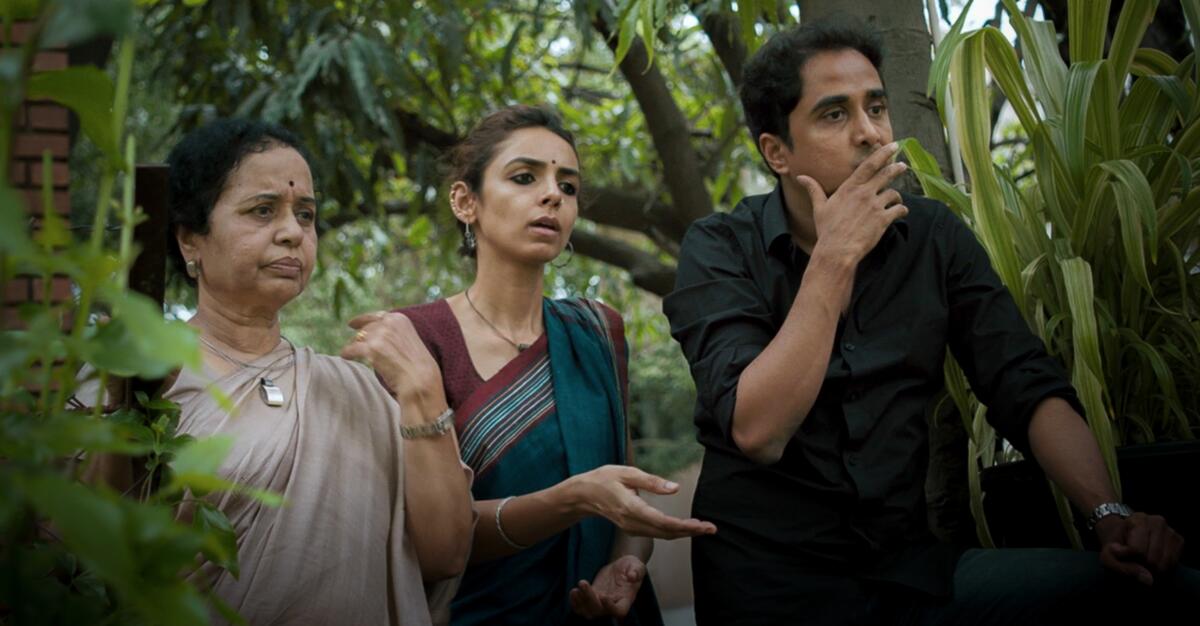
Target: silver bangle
439,426
500,529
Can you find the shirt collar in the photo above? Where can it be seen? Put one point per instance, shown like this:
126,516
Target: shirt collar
775,223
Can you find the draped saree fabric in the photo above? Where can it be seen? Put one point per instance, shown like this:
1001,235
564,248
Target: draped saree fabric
556,410
336,552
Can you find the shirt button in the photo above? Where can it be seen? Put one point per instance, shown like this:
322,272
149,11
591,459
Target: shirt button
848,347
851,460
852,396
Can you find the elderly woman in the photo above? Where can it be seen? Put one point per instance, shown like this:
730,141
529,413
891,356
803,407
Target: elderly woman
539,387
377,502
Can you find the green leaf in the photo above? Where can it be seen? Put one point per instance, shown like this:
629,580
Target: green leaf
1087,23
90,524
221,547
14,228
626,31
939,69
160,346
89,93
78,21
1135,18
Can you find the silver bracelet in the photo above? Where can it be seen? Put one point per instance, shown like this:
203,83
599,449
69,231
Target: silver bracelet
500,529
439,426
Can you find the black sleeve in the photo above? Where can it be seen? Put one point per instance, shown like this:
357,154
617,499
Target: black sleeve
1007,365
719,317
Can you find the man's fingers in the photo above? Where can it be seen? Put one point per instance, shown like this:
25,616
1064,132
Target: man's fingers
872,165
366,318
895,212
1138,539
889,198
886,175
1120,559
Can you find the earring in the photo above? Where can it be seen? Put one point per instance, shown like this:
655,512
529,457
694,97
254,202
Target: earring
468,237
193,268
570,255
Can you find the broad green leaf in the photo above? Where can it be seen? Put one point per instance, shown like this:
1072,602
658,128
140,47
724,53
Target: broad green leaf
162,346
88,92
1080,80
1006,71
969,88
1191,11
1087,23
222,545
1149,62
1044,66
1135,18
1077,275
90,524
14,237
939,69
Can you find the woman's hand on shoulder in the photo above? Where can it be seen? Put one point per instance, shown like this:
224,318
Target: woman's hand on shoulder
388,342
613,590
611,492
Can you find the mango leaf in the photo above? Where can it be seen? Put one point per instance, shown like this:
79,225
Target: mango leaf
89,93
78,21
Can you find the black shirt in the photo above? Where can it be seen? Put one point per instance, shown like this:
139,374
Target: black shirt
847,497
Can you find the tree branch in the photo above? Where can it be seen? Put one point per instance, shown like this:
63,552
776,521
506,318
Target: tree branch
667,125
725,34
646,270
632,209
416,128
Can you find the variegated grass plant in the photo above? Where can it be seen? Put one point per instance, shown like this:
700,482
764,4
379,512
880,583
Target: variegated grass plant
1100,245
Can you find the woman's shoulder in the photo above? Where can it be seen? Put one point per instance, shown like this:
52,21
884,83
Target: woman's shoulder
333,368
602,318
590,308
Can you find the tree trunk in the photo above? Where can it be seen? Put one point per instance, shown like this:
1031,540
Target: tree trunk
907,56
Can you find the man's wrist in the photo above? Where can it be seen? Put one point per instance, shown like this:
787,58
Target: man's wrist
1107,511
833,261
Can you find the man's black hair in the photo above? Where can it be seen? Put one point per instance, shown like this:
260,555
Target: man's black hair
772,85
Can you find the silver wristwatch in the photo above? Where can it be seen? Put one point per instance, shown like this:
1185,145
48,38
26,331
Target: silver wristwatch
440,426
1106,509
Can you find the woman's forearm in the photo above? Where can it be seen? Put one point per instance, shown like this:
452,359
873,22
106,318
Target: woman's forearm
437,498
628,545
526,520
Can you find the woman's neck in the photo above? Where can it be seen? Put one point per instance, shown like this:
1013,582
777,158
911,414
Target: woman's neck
509,296
245,335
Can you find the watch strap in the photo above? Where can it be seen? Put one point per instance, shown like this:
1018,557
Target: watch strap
1106,509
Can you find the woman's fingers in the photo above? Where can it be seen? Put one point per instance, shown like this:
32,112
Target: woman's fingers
637,479
585,601
648,521
366,318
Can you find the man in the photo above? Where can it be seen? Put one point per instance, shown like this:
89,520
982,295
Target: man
816,319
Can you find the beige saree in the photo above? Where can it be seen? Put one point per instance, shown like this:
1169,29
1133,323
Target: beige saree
337,551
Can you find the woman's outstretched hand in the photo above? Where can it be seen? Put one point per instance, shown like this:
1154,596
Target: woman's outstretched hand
613,590
611,492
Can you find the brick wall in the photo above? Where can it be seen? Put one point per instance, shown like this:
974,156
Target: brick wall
39,126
